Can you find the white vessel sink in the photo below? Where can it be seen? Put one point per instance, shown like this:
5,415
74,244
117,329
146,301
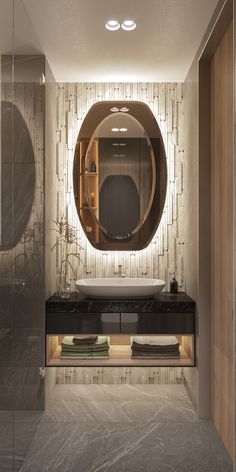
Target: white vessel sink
120,287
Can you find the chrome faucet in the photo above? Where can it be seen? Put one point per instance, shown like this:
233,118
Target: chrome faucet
119,272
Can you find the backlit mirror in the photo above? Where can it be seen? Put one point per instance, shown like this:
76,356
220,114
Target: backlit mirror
120,175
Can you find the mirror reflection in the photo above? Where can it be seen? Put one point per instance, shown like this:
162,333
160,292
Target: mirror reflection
119,175
17,167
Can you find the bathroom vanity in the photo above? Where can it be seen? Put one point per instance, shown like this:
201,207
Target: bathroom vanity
164,315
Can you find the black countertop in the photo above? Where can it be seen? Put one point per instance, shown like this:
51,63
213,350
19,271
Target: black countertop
163,302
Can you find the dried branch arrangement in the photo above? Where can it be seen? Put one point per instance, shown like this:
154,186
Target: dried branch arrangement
67,243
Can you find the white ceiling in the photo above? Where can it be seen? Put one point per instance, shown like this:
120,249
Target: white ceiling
79,48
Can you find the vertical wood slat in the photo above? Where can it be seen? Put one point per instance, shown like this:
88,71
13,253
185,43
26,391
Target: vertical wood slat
119,375
74,101
222,238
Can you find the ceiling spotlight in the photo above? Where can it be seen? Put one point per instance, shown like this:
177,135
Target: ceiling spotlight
115,144
122,144
115,130
128,25
123,130
112,25
114,109
124,109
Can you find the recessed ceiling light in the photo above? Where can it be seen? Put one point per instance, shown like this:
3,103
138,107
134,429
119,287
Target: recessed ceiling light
115,130
123,130
124,109
112,25
128,25
122,144
115,144
114,109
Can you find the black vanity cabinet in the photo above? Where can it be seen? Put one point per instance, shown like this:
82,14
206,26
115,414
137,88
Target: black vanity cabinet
159,323
120,319
82,323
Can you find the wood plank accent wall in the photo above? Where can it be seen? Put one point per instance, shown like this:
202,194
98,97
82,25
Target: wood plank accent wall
222,238
164,255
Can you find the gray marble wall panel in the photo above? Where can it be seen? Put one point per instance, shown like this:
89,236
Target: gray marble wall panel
21,389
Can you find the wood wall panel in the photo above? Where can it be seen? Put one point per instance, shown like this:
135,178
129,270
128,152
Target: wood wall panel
222,238
164,254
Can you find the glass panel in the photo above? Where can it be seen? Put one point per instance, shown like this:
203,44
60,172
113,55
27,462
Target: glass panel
6,257
21,233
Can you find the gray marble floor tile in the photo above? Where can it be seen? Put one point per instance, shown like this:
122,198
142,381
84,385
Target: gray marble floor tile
117,411
156,447
120,392
104,403
28,416
23,436
93,428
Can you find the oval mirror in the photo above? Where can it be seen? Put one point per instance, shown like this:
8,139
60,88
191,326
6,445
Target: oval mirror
121,154
17,175
120,175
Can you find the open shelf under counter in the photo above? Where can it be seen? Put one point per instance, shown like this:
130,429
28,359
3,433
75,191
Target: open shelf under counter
120,355
120,319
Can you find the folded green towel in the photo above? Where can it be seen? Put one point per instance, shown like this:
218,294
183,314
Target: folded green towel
88,349
101,343
85,355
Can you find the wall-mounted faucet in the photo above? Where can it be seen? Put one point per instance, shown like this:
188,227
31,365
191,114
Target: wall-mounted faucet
120,273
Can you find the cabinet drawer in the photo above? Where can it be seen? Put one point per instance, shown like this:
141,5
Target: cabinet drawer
157,323
83,323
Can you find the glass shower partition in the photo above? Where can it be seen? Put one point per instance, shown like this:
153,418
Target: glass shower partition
21,233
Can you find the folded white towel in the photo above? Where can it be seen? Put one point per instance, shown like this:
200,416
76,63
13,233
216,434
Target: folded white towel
155,340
